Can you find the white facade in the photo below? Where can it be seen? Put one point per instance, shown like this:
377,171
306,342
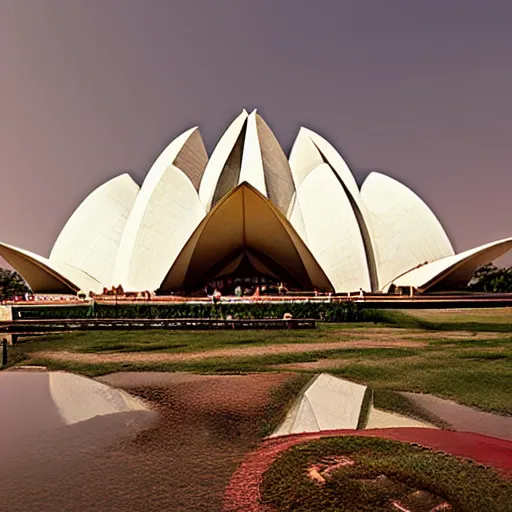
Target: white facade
218,160
332,231
90,239
48,276
308,211
158,227
166,228
405,232
304,156
252,163
308,152
457,268
309,149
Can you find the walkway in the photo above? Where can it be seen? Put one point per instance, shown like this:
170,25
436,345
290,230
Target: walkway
464,418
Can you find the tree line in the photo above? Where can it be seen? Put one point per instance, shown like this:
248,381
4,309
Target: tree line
492,279
11,285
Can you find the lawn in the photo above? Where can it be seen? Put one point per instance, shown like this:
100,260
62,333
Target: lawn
372,473
477,319
465,356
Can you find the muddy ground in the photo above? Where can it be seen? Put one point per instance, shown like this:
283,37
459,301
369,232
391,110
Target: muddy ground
181,462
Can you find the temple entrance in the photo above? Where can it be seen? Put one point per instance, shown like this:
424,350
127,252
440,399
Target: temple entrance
247,276
244,236
245,287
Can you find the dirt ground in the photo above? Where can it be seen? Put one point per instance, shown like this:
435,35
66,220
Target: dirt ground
354,338
163,357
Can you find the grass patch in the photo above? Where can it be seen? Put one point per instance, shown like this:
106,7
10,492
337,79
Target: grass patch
280,402
465,320
169,340
383,471
473,320
474,371
484,356
473,315
365,409
392,401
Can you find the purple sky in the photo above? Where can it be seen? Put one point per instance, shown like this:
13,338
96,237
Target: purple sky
418,89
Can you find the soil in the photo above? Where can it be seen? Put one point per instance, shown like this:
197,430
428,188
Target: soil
376,338
164,357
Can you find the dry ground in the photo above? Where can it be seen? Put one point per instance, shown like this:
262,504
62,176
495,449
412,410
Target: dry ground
353,339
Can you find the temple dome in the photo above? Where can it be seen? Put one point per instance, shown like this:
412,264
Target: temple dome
248,208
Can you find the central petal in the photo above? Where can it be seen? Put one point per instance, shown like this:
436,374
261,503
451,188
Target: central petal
244,229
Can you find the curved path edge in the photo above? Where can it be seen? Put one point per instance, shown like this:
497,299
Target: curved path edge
243,490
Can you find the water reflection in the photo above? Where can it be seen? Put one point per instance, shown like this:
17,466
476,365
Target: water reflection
179,458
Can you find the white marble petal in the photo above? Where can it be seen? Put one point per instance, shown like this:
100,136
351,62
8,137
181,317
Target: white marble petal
252,163
46,276
332,231
165,213
91,237
309,150
218,160
455,270
405,232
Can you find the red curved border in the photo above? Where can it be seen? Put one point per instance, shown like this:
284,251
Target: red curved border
243,491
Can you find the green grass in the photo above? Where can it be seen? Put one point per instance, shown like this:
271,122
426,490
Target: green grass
196,341
169,340
474,315
473,320
361,487
479,382
280,402
474,371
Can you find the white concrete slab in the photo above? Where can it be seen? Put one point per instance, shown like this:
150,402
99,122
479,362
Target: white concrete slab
383,419
328,403
78,398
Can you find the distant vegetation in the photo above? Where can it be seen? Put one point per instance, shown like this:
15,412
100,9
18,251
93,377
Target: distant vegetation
490,278
330,312
11,284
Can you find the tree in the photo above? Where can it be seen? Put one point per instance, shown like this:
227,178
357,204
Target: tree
490,278
11,284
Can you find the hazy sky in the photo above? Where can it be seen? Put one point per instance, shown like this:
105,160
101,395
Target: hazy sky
420,89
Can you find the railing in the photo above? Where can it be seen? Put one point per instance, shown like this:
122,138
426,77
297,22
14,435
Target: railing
39,326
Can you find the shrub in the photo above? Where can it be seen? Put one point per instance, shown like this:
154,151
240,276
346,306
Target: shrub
329,312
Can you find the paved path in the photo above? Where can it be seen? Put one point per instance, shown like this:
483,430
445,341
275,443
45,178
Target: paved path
463,418
243,491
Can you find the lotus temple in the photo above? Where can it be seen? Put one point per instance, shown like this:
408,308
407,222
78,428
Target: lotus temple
249,211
